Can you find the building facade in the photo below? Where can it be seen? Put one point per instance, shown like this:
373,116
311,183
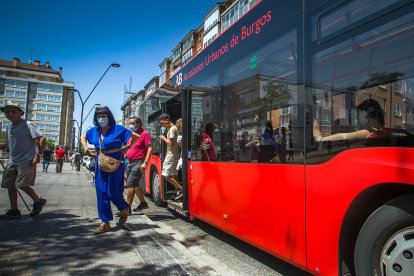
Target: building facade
43,94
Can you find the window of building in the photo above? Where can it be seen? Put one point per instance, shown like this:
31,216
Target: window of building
16,83
50,87
19,94
397,87
235,12
10,93
188,41
187,56
397,109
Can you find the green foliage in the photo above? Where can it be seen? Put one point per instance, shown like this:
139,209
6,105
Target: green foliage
380,78
50,144
277,95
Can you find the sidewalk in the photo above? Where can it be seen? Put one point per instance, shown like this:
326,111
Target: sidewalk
61,240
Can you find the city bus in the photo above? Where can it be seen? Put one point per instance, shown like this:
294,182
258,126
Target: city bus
326,200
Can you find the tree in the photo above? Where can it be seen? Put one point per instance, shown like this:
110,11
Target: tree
50,144
276,96
379,78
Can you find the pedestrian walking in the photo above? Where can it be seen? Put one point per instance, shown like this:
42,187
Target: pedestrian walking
138,156
76,160
47,156
169,167
20,172
59,158
108,138
91,168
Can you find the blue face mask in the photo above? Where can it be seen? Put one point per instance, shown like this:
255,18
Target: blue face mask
132,127
162,130
103,122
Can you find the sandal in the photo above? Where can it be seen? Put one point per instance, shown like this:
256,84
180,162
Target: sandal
123,216
104,227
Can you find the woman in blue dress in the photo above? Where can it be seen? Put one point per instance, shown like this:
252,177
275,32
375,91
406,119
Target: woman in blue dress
109,137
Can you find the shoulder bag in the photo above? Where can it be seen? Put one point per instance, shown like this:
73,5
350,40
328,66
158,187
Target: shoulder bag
106,163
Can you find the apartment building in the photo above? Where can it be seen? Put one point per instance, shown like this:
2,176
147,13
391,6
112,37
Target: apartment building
43,94
233,11
130,107
212,24
193,42
165,73
189,47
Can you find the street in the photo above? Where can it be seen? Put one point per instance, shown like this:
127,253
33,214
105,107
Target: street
60,241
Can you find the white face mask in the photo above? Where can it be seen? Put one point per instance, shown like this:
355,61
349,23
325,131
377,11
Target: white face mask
216,130
162,130
132,127
103,122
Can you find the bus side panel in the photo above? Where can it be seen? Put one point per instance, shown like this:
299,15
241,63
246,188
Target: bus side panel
261,204
331,188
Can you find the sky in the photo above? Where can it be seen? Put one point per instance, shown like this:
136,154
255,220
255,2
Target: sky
85,36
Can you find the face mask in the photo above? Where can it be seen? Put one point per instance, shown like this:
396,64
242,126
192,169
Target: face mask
216,130
162,130
103,122
132,127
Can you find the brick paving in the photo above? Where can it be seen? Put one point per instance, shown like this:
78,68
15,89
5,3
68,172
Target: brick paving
60,241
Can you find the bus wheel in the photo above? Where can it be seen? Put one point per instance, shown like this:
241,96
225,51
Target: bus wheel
155,190
385,244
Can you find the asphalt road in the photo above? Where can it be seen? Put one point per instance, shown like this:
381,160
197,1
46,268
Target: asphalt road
226,254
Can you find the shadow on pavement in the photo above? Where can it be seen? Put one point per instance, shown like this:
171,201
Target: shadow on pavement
59,241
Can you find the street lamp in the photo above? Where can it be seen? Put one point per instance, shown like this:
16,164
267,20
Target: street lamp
74,120
86,117
115,65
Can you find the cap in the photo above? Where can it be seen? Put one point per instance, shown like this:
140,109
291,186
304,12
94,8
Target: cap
11,104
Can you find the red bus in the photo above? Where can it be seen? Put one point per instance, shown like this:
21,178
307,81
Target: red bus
330,204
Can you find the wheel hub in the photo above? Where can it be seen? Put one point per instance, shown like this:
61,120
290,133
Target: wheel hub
397,257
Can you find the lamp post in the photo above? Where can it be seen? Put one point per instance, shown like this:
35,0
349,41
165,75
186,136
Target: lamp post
74,120
115,65
86,117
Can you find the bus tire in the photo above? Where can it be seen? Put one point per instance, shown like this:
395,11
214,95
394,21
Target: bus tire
385,244
155,189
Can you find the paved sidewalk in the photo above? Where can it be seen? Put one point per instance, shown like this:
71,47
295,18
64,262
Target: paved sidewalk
60,240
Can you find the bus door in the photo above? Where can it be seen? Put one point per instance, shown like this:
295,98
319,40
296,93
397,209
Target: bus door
175,108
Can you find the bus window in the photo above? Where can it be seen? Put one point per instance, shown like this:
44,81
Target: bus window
371,68
341,17
260,101
204,107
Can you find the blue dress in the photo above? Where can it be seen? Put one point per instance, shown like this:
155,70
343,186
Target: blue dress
109,186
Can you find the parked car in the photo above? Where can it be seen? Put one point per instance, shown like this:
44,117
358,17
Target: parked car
85,161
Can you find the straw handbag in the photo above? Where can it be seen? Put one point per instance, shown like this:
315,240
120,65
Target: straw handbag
106,163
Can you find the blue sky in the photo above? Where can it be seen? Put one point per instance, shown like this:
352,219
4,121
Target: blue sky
85,36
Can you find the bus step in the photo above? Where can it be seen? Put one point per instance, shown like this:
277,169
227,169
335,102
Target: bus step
177,207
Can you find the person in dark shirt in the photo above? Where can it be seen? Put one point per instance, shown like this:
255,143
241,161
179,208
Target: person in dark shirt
47,155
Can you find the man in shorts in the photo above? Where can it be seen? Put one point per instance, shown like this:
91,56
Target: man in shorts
138,156
21,137
59,158
169,167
